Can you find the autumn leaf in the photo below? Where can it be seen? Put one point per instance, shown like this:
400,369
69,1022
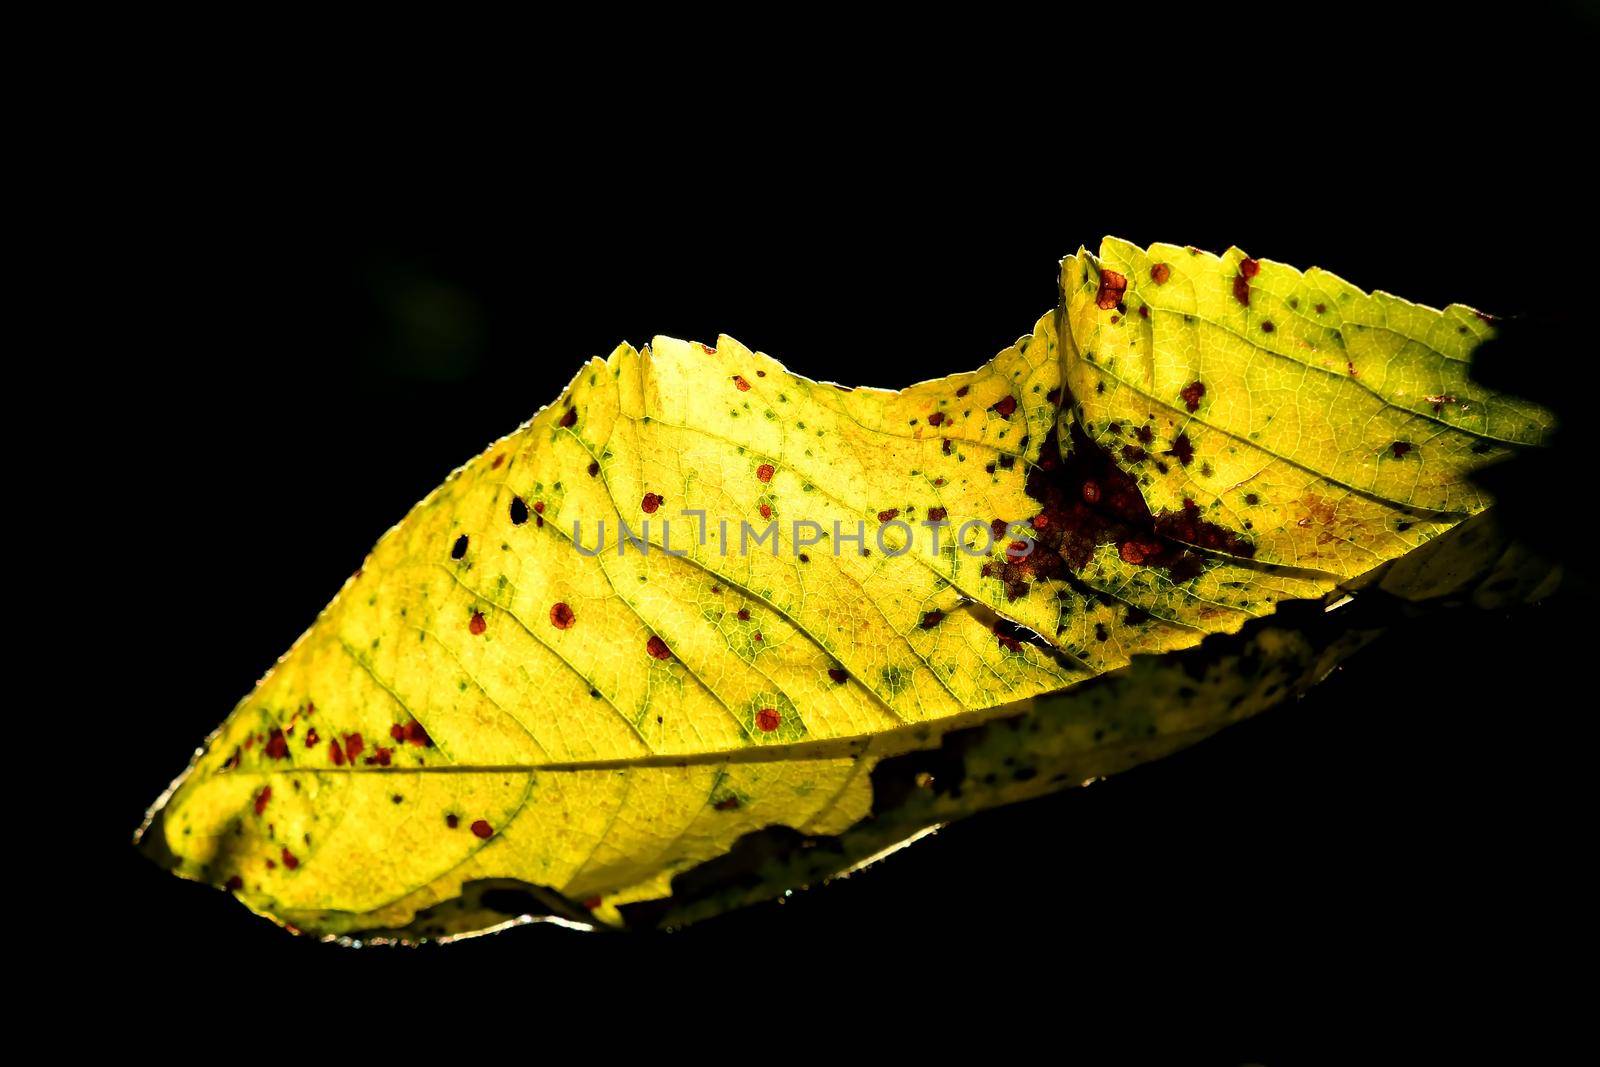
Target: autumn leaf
695,620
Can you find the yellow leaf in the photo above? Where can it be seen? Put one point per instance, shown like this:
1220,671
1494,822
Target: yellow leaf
700,597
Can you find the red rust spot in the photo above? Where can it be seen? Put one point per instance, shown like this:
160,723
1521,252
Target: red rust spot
570,419
336,753
397,732
561,616
838,674
744,614
290,860
936,419
1191,395
937,514
707,349
651,502
738,380
727,803
1112,286
482,829
262,798
658,648
417,735
312,738
538,506
477,625
886,516
1249,268
1159,273
1004,407
1400,448
497,461
277,746
1241,289
768,719
766,511
764,472
353,744
932,619
380,756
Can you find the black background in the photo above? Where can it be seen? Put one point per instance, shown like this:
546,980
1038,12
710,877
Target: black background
326,302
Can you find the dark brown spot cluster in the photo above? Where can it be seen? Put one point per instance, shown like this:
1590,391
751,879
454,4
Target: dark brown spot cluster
658,648
1087,500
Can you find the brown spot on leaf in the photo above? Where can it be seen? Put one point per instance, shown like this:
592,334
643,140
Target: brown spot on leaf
570,419
658,648
768,720
1004,407
838,674
1400,448
888,515
936,419
937,514
290,860
482,829
1112,286
931,619
650,503
262,798
1159,273
1182,449
277,746
764,472
1191,395
477,624
561,616
742,385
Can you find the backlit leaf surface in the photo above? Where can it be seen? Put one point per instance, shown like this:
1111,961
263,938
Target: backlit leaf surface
502,711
